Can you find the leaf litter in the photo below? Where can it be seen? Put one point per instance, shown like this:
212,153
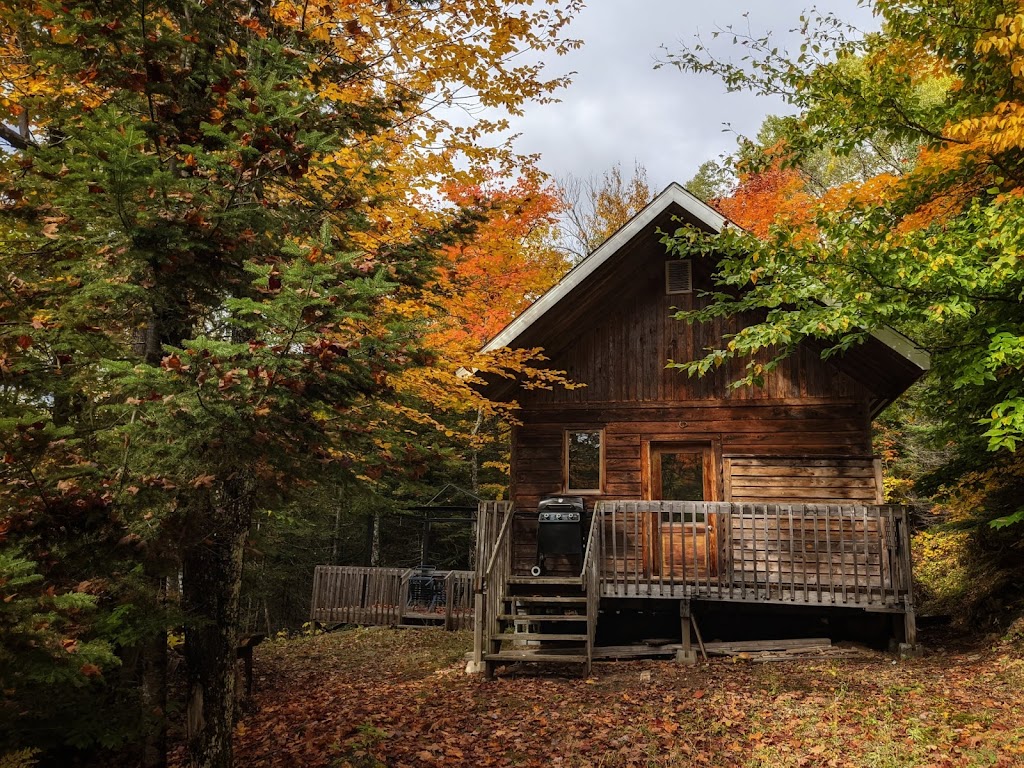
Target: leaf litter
369,698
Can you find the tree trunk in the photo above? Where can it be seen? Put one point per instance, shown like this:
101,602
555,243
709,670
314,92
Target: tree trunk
474,485
337,531
212,583
375,541
154,700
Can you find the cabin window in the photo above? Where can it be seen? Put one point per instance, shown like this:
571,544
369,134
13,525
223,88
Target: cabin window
682,472
682,479
584,466
678,276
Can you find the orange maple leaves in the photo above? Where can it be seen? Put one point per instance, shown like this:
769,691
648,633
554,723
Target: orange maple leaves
486,282
762,198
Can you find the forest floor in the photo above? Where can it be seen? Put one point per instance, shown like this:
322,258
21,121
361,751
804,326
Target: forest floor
382,697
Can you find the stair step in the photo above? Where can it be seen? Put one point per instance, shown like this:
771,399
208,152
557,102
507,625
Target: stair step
534,599
541,617
531,656
567,580
539,636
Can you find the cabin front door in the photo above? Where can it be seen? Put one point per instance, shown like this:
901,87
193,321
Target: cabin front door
684,544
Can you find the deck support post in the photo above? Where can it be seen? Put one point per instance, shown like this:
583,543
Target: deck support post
476,663
686,655
909,649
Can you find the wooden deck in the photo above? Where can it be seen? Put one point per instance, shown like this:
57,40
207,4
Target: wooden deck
851,555
810,554
817,555
390,597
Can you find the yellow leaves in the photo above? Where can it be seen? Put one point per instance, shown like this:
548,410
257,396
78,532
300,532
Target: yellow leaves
1000,130
1010,40
42,320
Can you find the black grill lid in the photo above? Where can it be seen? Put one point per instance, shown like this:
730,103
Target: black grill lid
561,504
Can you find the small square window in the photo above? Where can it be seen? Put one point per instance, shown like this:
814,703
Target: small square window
583,460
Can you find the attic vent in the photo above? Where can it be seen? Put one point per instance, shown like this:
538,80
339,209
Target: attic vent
678,276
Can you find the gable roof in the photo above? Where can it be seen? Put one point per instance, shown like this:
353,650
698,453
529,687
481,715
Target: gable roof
673,194
907,361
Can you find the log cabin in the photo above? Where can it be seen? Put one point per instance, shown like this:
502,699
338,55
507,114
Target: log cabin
686,494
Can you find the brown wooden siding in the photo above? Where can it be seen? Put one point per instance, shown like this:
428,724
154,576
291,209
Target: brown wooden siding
802,479
792,433
808,411
621,355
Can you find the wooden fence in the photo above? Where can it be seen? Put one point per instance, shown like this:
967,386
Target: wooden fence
391,596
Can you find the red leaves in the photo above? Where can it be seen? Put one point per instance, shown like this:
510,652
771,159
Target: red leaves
90,670
377,696
171,363
227,381
326,351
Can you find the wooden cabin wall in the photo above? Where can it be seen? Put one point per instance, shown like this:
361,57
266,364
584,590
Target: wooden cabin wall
804,437
621,356
815,453
802,479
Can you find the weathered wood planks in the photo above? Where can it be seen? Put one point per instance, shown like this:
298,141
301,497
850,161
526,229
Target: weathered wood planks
787,457
380,597
798,553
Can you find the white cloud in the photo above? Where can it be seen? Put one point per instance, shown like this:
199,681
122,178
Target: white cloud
620,109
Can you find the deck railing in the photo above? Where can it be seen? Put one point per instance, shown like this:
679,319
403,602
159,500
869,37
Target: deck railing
825,554
358,595
493,567
590,579
458,604
384,597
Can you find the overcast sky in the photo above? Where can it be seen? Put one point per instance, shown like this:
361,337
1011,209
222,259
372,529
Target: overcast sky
619,109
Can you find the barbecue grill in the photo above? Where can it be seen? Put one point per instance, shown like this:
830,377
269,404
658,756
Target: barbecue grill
559,529
426,589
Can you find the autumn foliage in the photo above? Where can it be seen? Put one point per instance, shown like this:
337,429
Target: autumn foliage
511,259
223,234
762,198
408,703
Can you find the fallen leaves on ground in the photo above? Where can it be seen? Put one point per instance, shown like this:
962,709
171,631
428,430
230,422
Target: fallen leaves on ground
379,697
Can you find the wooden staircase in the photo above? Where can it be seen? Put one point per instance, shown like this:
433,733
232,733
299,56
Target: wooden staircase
542,620
549,620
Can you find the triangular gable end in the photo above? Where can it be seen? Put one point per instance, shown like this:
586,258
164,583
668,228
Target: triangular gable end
672,194
907,362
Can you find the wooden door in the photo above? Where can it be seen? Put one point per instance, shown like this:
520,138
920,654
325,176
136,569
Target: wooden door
684,545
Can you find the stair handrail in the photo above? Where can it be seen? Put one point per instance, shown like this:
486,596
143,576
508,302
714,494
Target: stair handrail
502,533
588,552
590,582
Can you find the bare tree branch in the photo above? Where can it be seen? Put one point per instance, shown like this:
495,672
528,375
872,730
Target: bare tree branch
15,139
